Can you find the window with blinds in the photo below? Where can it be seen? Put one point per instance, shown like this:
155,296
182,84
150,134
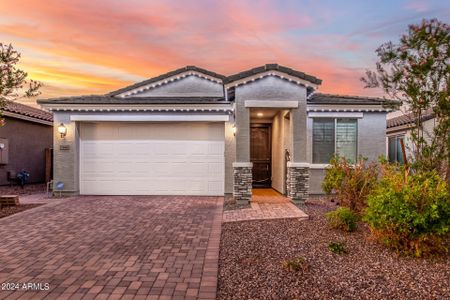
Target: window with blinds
332,136
323,140
346,138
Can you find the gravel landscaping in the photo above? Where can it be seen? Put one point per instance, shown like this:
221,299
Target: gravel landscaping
253,253
11,210
28,189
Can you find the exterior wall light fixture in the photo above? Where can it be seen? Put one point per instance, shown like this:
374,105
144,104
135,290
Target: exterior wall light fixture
62,130
234,129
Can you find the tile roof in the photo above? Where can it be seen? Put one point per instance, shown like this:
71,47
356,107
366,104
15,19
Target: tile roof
407,119
225,79
25,110
318,98
167,75
107,99
273,67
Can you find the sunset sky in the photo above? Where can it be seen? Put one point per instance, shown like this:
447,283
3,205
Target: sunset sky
88,47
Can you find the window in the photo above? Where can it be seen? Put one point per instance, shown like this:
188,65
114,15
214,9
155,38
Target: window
323,140
395,149
346,138
332,136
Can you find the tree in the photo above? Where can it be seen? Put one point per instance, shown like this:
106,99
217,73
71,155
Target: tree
13,81
416,72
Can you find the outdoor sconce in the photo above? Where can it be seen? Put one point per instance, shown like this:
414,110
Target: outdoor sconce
234,130
62,130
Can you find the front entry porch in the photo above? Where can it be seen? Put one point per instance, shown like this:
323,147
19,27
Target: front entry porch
275,147
266,204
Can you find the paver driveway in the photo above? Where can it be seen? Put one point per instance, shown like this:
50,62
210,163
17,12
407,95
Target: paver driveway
152,247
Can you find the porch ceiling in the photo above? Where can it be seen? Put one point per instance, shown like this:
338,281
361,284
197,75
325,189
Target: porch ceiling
267,113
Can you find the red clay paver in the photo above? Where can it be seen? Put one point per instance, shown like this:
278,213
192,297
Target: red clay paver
146,247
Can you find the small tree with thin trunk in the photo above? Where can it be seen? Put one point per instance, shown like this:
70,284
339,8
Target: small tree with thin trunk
13,81
416,71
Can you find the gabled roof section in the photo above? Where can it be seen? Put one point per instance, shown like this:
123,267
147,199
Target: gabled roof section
108,99
275,68
318,98
167,75
408,119
19,109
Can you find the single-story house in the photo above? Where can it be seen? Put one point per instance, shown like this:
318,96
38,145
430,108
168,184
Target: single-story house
399,129
195,132
26,141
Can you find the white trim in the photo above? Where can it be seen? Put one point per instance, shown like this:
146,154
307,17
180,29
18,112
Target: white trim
271,104
319,166
237,164
396,132
335,114
297,164
149,118
347,108
26,118
278,74
140,107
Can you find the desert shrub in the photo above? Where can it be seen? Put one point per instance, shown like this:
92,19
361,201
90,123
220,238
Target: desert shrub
337,247
410,212
296,264
342,218
351,183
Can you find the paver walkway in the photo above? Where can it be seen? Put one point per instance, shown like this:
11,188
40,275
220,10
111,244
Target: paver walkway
265,204
113,247
39,198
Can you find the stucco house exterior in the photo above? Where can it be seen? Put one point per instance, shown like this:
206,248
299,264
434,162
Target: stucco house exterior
399,129
26,141
195,132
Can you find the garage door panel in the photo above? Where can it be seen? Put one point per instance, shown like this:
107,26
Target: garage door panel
215,149
97,150
115,166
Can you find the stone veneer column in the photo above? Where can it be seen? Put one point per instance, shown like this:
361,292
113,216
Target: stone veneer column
297,182
242,182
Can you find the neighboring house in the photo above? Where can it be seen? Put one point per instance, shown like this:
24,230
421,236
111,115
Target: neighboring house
26,140
195,132
399,129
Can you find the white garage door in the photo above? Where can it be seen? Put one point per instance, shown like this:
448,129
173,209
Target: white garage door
152,158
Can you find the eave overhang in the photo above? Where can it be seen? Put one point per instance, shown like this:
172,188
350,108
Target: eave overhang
347,108
216,108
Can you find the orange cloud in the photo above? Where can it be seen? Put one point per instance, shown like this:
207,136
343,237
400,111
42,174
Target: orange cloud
99,46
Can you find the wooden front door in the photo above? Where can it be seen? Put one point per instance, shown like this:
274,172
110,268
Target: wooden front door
261,155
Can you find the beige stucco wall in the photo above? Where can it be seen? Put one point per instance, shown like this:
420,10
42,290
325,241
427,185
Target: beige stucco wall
192,86
230,155
272,89
280,142
66,162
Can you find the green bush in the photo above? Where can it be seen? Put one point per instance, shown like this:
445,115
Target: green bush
342,218
296,264
410,213
337,247
351,183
